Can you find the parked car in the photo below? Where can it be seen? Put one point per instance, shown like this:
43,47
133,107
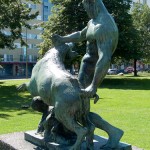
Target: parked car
147,70
112,71
129,70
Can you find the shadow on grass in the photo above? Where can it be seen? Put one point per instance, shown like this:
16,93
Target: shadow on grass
22,113
11,100
5,116
126,83
1,82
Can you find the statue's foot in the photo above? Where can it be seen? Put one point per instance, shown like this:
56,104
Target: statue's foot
91,147
105,148
114,139
74,148
59,139
40,129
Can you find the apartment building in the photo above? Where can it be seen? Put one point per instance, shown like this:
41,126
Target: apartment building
140,1
21,60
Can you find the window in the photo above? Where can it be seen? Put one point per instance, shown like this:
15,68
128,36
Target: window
33,46
8,58
33,6
23,35
45,17
23,57
5,57
35,58
24,50
33,36
7,33
29,46
1,58
30,58
39,37
45,8
17,45
39,17
28,36
40,28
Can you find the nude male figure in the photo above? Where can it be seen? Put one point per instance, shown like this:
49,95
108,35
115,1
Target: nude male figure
101,34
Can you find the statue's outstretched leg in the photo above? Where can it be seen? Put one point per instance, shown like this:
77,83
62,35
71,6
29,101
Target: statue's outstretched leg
86,74
114,133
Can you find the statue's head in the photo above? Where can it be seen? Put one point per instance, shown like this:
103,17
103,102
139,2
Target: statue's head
66,51
92,7
71,55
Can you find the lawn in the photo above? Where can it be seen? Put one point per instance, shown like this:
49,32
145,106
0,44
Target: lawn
12,117
124,102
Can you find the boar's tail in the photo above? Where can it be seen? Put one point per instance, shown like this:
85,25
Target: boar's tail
22,87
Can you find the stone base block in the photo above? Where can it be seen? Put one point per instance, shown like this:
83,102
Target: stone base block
16,141
37,139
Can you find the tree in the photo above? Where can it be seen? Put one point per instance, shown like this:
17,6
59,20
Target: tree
141,21
13,17
69,16
128,44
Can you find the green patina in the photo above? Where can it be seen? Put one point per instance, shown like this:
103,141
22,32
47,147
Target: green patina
70,96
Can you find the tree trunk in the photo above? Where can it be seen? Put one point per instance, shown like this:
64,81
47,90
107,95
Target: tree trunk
135,71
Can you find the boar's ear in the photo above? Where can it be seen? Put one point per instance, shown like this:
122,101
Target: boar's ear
71,45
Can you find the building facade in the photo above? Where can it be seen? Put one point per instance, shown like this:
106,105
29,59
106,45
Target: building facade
20,61
142,2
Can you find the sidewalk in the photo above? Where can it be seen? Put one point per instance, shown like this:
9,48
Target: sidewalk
12,78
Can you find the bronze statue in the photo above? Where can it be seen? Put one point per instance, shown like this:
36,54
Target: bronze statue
70,97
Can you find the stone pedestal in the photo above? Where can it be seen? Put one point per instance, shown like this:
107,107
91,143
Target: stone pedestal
16,141
37,139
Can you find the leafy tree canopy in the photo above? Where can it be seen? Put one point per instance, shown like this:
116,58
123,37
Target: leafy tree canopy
69,16
141,20
13,17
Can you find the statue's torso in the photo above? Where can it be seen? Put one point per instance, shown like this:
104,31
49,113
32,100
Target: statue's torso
90,34
99,31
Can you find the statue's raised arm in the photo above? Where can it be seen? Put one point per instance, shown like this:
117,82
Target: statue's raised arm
74,37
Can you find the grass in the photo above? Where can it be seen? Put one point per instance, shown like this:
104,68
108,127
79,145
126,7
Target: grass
125,103
12,117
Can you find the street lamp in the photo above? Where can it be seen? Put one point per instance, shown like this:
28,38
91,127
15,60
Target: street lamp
26,56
